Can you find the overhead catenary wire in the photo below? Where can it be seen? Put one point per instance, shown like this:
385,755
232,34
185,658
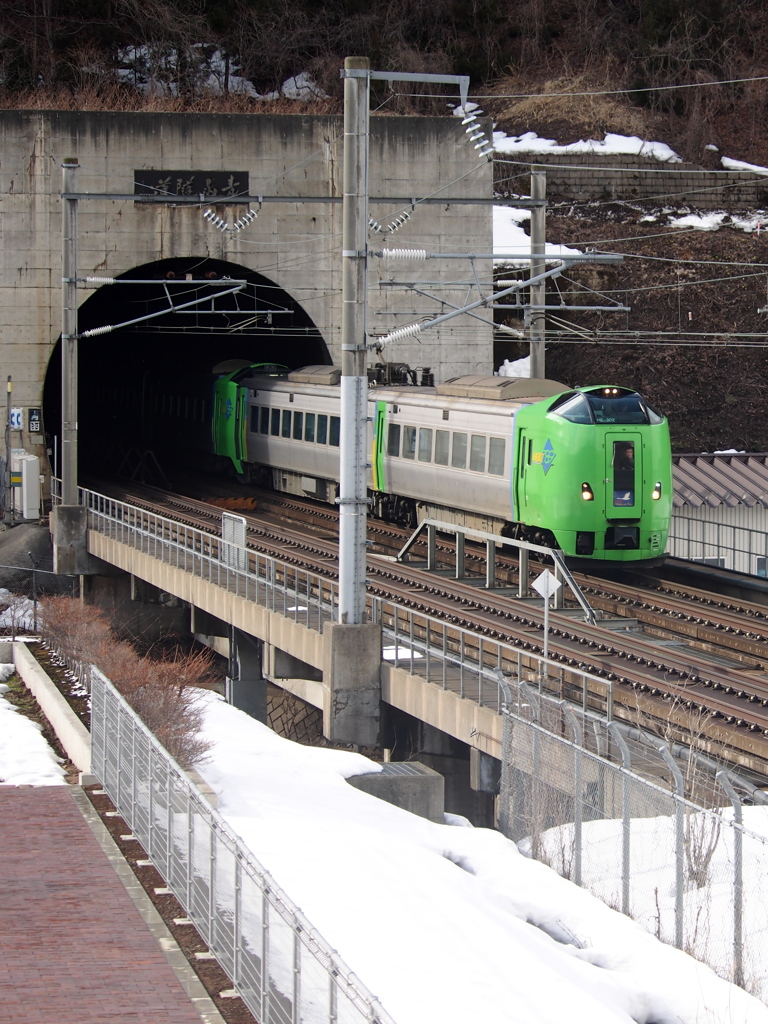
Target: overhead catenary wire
595,92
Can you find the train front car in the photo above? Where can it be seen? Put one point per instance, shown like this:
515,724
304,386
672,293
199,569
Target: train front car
593,475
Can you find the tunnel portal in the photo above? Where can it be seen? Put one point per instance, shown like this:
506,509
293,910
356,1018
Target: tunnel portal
144,388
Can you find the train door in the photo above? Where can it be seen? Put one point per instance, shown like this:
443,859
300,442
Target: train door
522,460
241,425
623,476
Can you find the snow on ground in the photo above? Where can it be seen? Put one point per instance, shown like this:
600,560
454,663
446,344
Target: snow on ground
26,759
510,145
740,165
515,367
510,239
445,924
708,907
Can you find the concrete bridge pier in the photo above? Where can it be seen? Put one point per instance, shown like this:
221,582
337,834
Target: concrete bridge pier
246,684
352,683
69,525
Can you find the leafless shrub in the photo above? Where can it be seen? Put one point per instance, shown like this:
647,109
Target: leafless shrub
163,691
75,630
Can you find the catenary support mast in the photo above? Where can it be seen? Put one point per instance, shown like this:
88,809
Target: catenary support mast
69,335
354,385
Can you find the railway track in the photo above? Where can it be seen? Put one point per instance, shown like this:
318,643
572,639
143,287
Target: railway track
670,650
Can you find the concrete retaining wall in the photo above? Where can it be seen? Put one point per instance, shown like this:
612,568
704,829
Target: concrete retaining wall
72,734
593,177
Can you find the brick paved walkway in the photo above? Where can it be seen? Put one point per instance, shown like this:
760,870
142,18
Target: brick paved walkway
73,948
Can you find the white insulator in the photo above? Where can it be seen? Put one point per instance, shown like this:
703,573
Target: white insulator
96,331
469,119
401,334
100,280
398,222
412,255
487,152
504,329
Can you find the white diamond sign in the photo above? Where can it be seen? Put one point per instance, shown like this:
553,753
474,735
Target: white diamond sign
546,584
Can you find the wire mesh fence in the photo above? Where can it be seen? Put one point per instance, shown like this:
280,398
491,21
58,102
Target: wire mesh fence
281,966
21,588
692,874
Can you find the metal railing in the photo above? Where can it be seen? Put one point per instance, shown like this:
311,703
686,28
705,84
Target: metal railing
674,864
732,547
21,587
454,658
283,969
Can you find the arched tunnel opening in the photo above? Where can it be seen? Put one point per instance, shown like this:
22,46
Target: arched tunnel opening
144,389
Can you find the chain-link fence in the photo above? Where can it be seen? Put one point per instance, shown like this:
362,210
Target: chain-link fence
691,873
20,590
282,968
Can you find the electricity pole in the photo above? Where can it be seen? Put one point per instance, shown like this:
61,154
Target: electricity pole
353,498
69,335
538,266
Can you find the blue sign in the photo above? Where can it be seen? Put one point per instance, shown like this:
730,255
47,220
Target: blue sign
545,458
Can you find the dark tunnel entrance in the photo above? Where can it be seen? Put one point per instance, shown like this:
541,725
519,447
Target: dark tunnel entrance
131,380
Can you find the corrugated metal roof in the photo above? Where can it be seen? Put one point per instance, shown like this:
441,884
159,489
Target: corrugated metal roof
730,479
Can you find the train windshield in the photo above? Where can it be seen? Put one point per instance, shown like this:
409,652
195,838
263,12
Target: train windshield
605,405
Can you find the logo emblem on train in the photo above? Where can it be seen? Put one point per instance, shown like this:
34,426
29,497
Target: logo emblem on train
545,458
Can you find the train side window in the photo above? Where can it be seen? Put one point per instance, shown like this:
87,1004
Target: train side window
393,439
264,424
335,431
409,442
322,429
496,448
459,453
309,427
275,423
442,447
530,451
425,444
286,431
298,425
477,453
254,419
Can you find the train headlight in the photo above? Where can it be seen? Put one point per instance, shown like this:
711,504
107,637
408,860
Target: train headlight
656,492
587,493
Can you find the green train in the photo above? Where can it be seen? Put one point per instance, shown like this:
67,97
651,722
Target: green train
587,470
